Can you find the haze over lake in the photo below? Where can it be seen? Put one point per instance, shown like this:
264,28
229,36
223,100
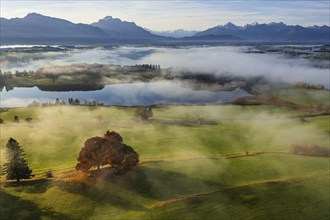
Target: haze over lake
217,60
231,60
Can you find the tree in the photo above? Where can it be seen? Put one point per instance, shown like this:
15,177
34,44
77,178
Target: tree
58,101
17,167
34,104
49,174
92,154
28,120
144,113
16,119
109,149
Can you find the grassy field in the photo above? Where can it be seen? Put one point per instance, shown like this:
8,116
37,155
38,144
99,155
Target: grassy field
187,170
310,97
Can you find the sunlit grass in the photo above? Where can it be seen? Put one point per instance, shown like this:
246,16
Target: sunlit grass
178,160
307,97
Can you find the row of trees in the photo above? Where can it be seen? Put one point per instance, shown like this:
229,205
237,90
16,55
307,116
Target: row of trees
78,68
141,67
309,86
17,73
70,101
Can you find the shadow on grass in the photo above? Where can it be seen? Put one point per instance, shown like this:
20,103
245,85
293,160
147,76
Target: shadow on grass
161,184
30,186
148,182
13,207
273,200
99,193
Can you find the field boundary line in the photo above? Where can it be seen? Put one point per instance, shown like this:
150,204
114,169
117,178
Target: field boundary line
257,183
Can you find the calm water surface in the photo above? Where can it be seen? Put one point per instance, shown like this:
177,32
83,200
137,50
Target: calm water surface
124,94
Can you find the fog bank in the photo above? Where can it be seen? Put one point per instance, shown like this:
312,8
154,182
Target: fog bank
218,60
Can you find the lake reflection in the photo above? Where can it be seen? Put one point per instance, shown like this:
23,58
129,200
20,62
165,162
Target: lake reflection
166,92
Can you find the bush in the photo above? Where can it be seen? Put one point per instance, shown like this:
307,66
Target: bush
49,174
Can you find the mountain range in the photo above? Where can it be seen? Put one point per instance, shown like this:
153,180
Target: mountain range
271,32
39,29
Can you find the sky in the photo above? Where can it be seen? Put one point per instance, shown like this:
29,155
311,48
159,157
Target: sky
170,15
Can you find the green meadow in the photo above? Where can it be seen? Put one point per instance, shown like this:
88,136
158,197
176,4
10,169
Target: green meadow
237,168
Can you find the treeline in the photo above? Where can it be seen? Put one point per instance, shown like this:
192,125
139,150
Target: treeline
99,69
310,86
17,73
141,67
70,101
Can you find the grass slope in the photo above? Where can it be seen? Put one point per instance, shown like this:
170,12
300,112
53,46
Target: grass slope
188,167
309,97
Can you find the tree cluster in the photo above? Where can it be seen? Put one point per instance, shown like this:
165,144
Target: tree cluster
72,101
309,86
59,102
141,67
107,150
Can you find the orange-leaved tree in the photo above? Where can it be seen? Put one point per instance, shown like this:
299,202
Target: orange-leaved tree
109,149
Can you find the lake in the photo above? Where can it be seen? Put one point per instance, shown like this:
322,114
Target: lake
217,60
166,92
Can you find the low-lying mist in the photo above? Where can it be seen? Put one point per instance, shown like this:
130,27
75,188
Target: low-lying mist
55,135
233,61
216,60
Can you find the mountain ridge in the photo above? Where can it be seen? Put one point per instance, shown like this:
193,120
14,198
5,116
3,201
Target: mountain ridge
118,28
36,28
270,32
